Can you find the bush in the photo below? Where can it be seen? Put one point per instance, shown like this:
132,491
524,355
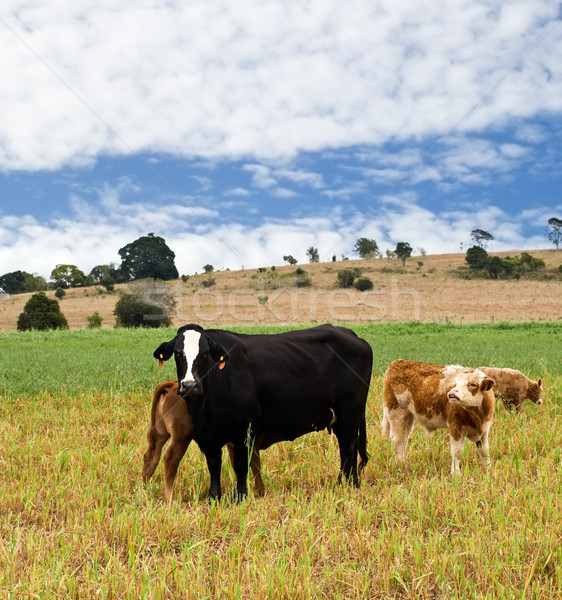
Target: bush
60,293
303,281
41,313
94,321
363,284
132,311
208,282
346,277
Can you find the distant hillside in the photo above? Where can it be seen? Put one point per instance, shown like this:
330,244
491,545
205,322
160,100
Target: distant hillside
427,289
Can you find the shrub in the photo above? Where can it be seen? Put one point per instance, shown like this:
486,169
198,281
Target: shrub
94,321
41,313
346,277
363,284
132,311
303,281
149,304
60,293
208,282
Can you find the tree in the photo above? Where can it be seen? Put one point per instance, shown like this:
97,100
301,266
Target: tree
106,275
366,248
312,254
555,233
481,237
19,282
41,313
148,256
65,276
208,268
290,259
477,258
403,251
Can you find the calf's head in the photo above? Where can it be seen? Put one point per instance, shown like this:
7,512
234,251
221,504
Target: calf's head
534,392
196,354
469,389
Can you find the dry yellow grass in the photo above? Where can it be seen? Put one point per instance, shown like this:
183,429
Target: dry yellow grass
425,292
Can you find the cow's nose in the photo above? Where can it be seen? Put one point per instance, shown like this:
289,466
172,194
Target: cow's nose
187,387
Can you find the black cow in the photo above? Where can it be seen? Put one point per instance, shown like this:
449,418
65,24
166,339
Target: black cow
256,390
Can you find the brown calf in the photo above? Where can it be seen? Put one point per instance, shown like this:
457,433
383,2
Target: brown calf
435,396
514,387
170,420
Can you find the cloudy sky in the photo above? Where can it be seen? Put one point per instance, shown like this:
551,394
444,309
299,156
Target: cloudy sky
243,131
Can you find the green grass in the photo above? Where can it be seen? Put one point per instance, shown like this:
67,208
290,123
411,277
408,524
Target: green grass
76,522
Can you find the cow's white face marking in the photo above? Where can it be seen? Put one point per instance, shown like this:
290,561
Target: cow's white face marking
466,391
190,351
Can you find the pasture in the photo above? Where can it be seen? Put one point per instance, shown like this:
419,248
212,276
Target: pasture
76,521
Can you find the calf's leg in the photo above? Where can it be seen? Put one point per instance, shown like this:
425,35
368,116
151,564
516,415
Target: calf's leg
172,459
482,445
457,444
151,458
401,425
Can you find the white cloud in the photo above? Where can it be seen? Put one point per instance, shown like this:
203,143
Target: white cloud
263,78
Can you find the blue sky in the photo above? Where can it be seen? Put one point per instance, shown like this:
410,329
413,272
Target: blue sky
241,132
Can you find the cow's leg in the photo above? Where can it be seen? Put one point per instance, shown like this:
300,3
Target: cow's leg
401,425
348,440
214,458
259,487
172,459
457,444
240,464
256,471
482,445
151,458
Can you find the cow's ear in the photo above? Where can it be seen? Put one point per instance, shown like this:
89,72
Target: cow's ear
487,384
218,353
539,382
164,351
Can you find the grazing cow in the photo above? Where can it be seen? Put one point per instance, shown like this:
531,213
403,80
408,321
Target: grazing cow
170,420
262,389
449,397
514,387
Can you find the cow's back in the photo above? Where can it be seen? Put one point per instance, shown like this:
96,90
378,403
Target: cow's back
300,375
418,386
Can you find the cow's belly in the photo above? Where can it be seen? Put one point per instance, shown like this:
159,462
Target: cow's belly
432,422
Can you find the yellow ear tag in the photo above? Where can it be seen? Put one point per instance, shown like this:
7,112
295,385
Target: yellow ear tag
160,361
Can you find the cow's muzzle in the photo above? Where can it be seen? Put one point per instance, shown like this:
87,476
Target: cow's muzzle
189,388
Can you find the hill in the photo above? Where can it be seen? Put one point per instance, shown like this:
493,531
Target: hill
428,289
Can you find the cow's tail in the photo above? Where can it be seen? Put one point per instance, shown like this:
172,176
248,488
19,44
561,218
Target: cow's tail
363,444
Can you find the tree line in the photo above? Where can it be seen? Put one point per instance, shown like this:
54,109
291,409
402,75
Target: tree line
147,257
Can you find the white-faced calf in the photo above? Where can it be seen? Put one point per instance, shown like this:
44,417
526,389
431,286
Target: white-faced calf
435,396
514,387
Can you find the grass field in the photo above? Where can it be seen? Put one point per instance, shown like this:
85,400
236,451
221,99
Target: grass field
76,522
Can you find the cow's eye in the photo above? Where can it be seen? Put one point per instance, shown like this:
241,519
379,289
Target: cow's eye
472,385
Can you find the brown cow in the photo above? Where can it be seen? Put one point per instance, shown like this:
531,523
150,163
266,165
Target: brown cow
170,420
451,397
514,387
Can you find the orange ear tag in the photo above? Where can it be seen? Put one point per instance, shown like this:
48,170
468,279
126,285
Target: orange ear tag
160,361
221,365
